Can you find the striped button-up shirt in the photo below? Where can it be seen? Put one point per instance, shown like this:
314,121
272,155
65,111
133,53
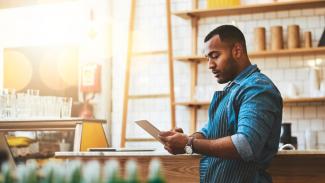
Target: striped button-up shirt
249,110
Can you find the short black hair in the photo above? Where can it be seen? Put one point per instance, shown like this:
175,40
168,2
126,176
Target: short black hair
229,34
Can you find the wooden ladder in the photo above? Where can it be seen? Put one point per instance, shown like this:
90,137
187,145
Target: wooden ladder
131,54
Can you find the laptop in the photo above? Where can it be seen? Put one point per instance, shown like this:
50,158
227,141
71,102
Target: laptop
128,149
144,124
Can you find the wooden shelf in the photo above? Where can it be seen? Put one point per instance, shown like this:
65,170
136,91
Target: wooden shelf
287,52
298,51
193,103
285,101
191,58
303,100
248,9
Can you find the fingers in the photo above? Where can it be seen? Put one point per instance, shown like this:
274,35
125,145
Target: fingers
179,130
167,148
167,141
170,150
174,142
164,139
166,133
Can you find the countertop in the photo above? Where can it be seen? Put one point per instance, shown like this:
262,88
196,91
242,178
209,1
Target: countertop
165,153
297,152
138,153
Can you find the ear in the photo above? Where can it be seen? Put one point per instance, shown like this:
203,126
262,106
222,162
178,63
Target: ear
237,50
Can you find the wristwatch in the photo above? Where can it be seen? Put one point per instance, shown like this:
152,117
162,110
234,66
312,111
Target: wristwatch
189,146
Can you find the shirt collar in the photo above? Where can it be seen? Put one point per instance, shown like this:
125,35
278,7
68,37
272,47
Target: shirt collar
243,74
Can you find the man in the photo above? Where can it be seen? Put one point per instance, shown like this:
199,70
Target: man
242,133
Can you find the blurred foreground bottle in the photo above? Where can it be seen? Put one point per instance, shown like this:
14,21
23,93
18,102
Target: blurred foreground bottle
6,174
52,172
155,175
46,173
131,172
111,172
73,173
91,172
31,172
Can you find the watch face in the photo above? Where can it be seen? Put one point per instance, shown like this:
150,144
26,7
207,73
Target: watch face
188,150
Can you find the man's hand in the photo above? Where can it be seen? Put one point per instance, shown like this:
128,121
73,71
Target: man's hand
174,141
179,130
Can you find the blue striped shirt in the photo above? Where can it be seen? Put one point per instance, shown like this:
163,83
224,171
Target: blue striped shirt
249,110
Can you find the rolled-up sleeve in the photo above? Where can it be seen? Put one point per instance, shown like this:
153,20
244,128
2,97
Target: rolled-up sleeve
242,146
259,105
204,129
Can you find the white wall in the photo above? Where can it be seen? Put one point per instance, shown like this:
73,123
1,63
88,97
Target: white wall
120,12
151,19
99,50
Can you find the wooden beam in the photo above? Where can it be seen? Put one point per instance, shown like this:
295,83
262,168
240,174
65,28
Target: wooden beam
170,65
193,119
127,73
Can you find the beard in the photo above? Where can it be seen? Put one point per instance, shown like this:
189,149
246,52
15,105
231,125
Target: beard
229,73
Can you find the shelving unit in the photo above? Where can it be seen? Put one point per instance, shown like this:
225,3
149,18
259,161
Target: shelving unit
194,59
247,9
284,52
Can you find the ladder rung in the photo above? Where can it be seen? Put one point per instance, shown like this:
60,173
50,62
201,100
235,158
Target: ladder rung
140,139
149,96
147,53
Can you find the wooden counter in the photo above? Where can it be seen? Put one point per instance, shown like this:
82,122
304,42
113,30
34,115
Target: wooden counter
298,167
176,168
287,166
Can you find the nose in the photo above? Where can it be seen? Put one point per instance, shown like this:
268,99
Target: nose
211,63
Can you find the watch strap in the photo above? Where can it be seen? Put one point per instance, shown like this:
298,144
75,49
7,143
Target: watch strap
190,143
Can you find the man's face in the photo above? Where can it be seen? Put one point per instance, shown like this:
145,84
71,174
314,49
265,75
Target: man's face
221,61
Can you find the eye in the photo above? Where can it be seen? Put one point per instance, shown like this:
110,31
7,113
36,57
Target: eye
213,55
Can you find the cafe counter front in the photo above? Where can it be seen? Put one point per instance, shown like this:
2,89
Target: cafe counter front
287,166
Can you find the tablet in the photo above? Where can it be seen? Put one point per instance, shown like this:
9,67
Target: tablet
148,127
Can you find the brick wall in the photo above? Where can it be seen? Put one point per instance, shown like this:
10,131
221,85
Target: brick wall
150,35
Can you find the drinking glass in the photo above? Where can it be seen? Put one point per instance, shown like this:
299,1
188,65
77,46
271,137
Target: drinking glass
2,104
66,106
22,106
8,104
